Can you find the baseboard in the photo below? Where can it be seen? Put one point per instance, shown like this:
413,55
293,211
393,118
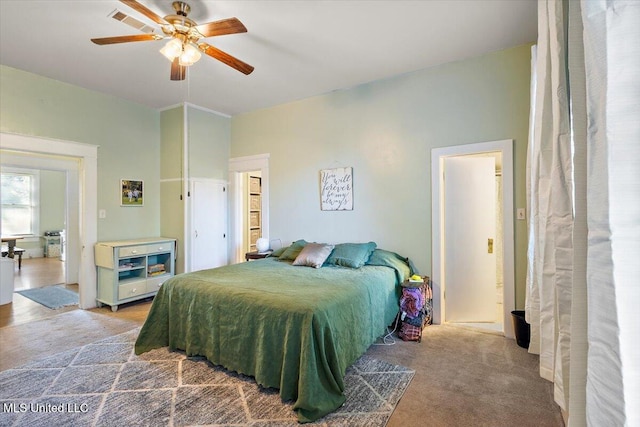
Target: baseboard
33,253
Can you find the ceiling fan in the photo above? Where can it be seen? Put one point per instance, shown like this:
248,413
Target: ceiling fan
184,47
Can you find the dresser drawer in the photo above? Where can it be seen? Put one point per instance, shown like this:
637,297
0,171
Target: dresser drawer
131,250
154,284
159,247
132,289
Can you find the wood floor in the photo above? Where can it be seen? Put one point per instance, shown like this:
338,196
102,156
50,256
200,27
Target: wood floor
29,331
35,273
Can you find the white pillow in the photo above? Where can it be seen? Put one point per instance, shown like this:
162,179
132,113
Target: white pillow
313,255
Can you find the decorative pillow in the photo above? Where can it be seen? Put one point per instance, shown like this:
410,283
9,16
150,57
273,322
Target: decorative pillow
313,255
292,251
352,255
391,259
277,252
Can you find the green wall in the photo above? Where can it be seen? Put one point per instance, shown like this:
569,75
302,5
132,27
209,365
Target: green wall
53,190
209,136
128,135
171,194
386,130
206,140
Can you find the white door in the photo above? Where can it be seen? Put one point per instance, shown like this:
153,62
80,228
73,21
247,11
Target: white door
208,224
469,231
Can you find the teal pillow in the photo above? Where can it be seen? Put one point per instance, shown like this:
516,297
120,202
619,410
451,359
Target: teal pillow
391,259
352,255
292,251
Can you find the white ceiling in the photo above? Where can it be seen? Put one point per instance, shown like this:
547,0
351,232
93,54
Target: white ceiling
299,48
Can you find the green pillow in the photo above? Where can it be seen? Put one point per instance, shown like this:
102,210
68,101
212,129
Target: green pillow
352,255
292,251
277,252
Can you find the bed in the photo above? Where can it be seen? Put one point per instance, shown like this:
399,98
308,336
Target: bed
293,328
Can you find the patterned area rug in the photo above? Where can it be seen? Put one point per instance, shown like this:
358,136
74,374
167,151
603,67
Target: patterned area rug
106,384
53,297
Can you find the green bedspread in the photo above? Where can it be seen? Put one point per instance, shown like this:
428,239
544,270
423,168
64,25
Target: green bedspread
293,328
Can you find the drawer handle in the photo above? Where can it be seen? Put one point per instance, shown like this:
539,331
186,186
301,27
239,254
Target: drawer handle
160,248
134,252
133,291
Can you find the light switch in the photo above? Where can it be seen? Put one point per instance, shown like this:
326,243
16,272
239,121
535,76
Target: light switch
520,213
102,213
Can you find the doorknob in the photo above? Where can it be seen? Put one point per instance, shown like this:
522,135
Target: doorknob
490,246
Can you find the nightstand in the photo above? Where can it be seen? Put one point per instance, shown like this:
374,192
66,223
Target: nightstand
411,325
256,255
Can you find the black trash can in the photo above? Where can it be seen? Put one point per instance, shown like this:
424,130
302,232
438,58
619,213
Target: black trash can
521,328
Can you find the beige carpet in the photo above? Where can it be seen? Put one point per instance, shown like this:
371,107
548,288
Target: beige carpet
470,378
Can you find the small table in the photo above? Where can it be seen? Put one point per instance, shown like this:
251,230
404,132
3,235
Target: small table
11,244
256,255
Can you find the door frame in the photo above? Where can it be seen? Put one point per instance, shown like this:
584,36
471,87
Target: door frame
86,188
238,166
437,215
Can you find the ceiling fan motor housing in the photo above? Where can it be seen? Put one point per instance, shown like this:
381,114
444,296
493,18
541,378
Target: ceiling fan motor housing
181,8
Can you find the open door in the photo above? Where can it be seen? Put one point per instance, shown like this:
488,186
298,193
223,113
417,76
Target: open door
469,236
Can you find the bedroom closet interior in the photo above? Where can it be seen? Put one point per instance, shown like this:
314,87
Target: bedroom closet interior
252,212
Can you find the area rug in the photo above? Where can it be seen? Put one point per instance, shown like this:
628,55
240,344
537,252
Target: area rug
53,297
106,384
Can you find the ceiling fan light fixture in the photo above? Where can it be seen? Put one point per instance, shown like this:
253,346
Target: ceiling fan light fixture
172,49
183,48
190,55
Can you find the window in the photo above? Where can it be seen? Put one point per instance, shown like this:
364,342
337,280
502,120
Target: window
19,197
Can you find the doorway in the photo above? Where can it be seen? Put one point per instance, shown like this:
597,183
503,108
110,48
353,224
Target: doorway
42,193
503,189
239,167
80,163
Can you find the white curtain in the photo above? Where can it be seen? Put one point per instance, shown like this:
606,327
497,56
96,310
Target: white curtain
583,191
550,195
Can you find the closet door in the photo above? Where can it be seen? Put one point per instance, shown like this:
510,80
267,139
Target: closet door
208,224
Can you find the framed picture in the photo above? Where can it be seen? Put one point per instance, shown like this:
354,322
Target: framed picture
131,192
336,189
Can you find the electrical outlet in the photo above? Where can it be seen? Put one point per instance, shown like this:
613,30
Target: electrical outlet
521,214
102,213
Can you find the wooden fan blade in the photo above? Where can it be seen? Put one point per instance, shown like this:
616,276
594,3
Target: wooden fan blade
178,72
126,39
133,4
232,62
222,27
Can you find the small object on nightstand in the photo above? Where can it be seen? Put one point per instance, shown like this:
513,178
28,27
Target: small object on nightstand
256,255
262,245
